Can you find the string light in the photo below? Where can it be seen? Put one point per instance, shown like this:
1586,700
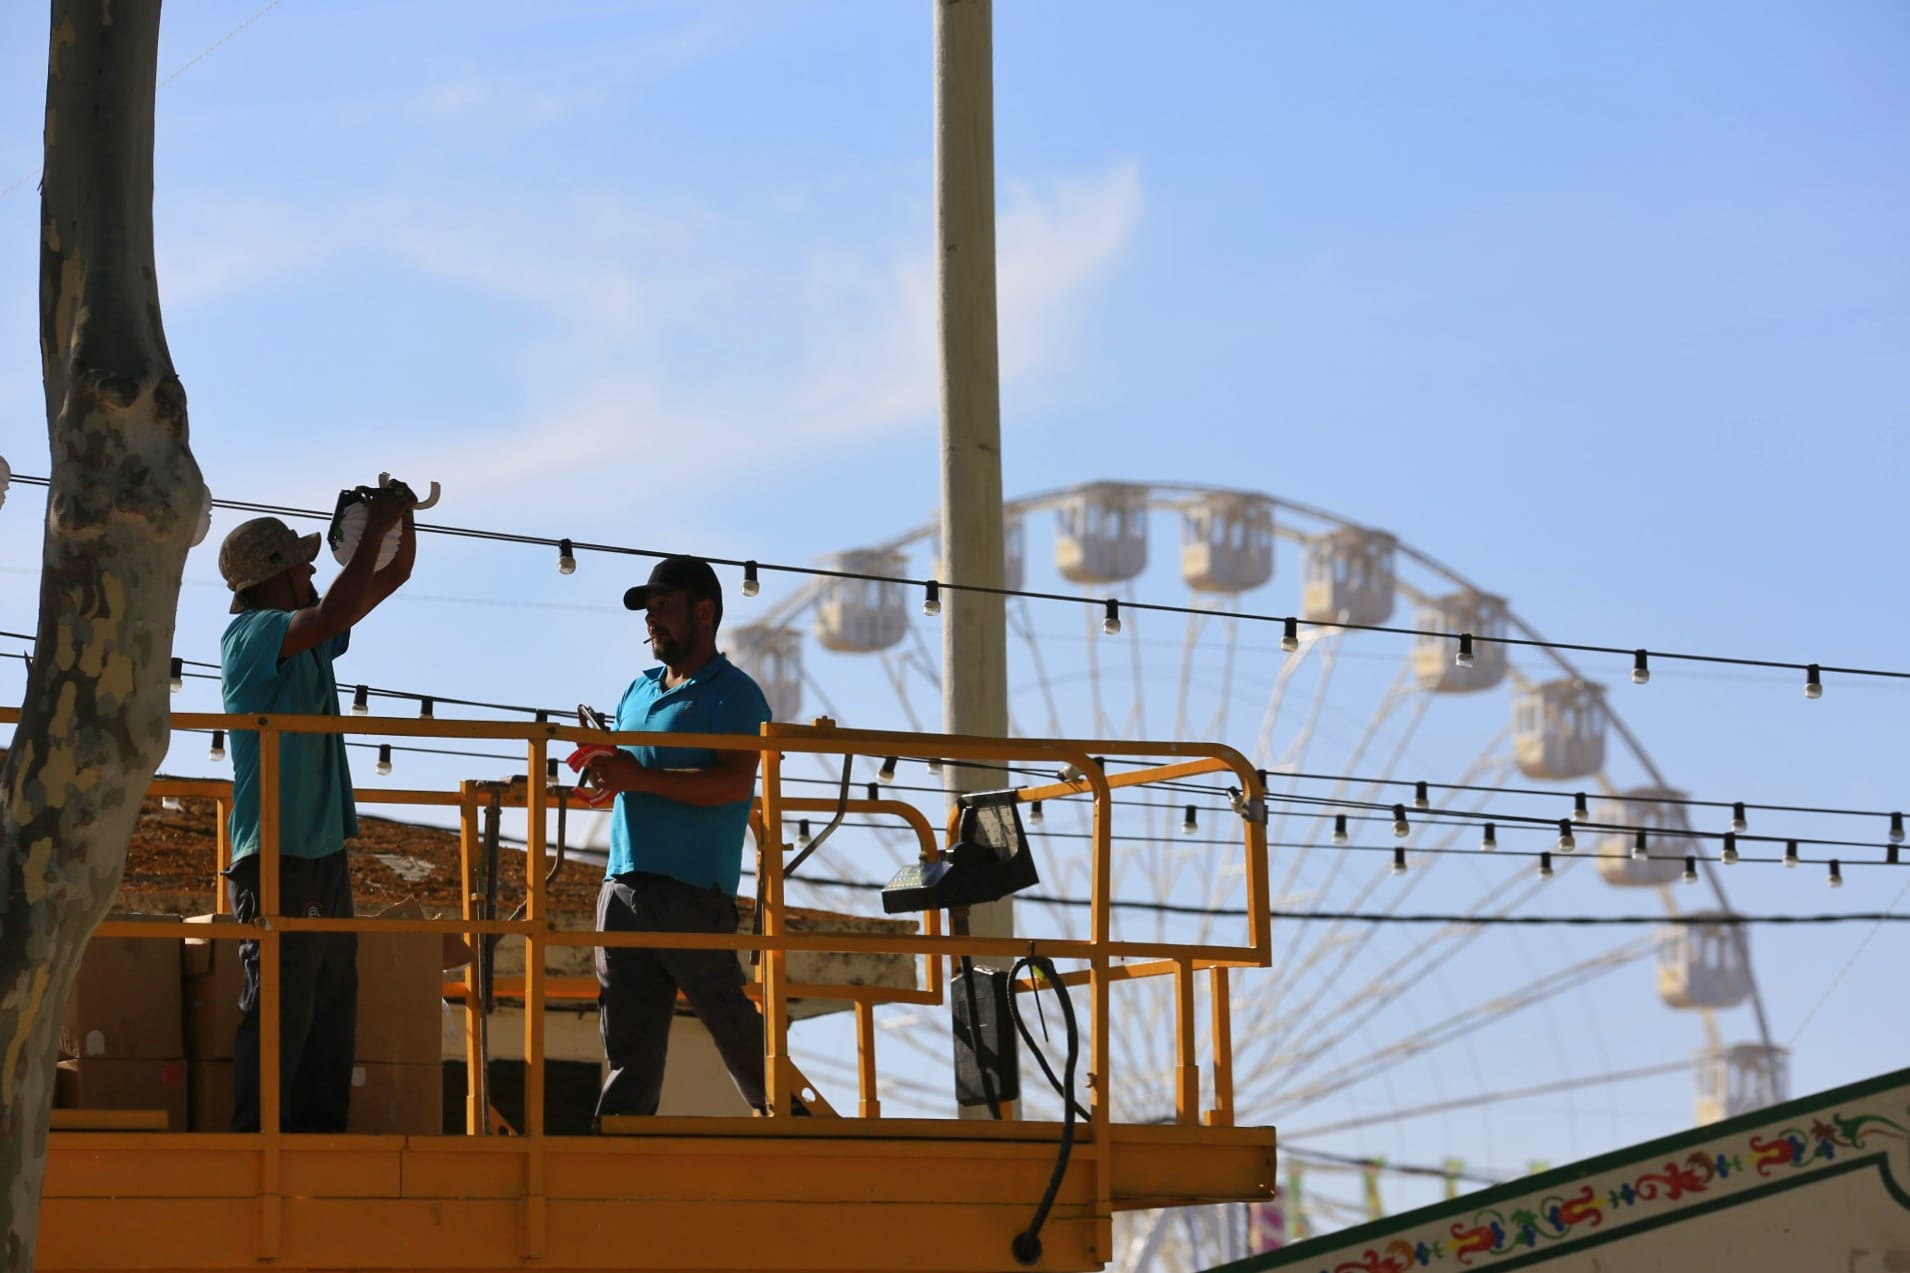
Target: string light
1729,854
1890,855
1896,828
1189,823
1421,800
1640,668
1579,812
1290,635
1545,865
566,558
1566,842
1738,820
1790,853
1813,682
178,674
384,758
1464,657
424,709
1691,869
802,834
217,750
875,792
1399,860
887,772
1836,874
550,769
361,701
1638,851
1401,827
931,598
751,584
1489,842
1035,816
934,765
1339,829
1111,624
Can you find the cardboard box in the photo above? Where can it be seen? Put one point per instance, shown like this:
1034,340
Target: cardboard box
209,1095
397,1099
400,993
100,1082
125,1003
209,991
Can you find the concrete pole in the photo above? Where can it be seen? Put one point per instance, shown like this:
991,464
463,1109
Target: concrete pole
974,627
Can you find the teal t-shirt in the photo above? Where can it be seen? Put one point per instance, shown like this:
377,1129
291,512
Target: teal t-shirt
316,812
699,845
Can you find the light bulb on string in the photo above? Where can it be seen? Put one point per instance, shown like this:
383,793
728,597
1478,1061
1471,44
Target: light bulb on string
361,701
1401,827
1738,820
1111,622
1464,657
1813,682
1189,822
1290,635
751,584
1836,874
934,764
425,709
1545,865
1890,855
1579,811
802,834
178,675
1790,853
1640,668
1566,842
1421,798
217,750
550,770
874,791
887,772
384,758
1339,829
566,558
1729,854
1896,828
1399,860
931,598
1639,853
1035,816
1691,869
1489,842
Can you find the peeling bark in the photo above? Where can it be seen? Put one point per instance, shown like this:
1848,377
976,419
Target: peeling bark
121,509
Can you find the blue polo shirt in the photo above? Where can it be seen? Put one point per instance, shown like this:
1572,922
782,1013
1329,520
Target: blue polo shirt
699,845
316,811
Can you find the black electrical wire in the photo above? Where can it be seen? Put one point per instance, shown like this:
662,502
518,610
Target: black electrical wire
1026,1246
1288,621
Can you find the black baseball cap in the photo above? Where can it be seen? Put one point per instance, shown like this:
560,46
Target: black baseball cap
678,574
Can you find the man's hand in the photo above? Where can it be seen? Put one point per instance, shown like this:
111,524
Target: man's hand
613,770
384,508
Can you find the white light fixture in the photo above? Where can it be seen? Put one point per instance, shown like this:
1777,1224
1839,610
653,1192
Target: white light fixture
425,709
1566,842
384,758
1738,820
751,585
934,764
1790,853
1339,829
1640,668
802,834
1836,874
566,558
1189,823
1579,811
887,772
1399,860
1545,865
1638,851
931,598
1464,657
217,750
1729,854
1896,828
1421,799
1035,816
1691,869
1401,827
361,701
1111,623
1290,635
178,675
1813,682
1489,842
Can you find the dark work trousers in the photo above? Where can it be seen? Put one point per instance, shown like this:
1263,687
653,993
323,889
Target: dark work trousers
318,998
636,990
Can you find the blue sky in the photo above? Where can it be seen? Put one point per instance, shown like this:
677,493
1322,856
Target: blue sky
1607,306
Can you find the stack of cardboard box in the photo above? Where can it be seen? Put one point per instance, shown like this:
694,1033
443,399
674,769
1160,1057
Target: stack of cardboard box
121,1035
151,1025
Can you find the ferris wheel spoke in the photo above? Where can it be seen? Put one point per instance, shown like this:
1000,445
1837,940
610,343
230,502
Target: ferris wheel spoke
1217,723
1189,644
1360,1069
896,669
1137,711
1024,628
1578,1082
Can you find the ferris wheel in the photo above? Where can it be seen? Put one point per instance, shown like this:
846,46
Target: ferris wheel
1360,1041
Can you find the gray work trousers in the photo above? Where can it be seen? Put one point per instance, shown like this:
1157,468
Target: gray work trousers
637,990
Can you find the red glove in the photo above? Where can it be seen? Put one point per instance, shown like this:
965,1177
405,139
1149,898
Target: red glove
590,797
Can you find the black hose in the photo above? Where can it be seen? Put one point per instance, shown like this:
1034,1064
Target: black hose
1027,1244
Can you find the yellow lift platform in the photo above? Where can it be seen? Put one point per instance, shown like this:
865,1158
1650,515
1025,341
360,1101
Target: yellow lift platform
824,1192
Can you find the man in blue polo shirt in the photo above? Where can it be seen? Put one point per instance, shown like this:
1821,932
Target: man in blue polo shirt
676,845
276,657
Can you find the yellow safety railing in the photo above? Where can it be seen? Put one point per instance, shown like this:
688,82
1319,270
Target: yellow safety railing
1097,954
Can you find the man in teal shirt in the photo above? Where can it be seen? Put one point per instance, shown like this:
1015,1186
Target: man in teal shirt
676,845
276,657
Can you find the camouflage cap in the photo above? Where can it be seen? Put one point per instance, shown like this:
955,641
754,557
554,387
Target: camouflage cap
261,549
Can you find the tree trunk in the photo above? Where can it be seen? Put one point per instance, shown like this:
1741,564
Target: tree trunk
121,509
